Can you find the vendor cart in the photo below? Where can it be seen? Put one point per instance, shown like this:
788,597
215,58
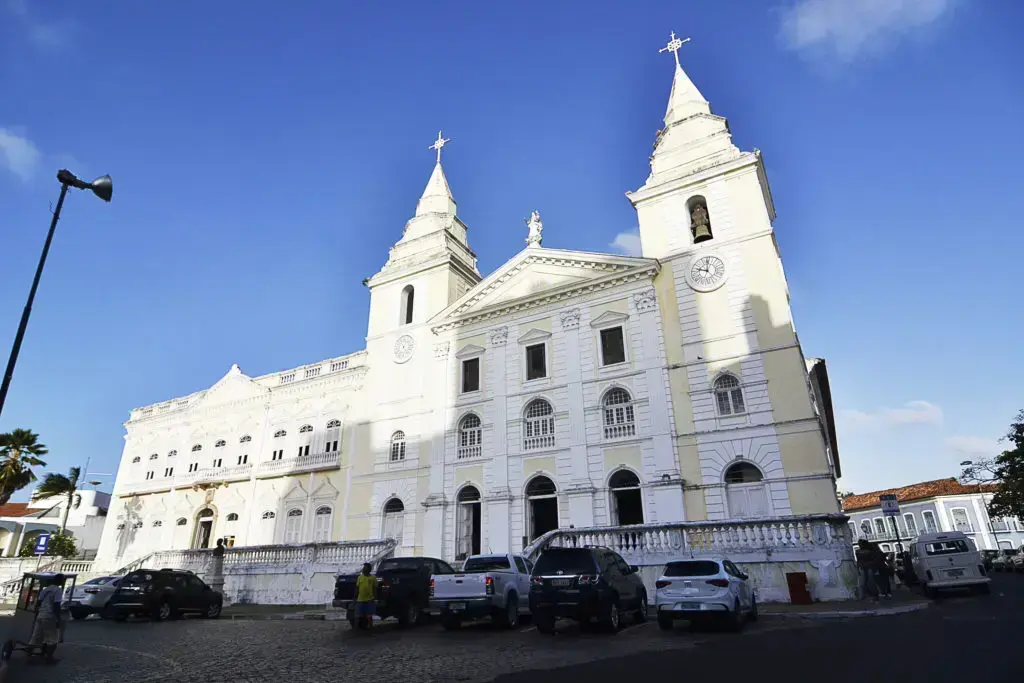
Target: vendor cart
26,612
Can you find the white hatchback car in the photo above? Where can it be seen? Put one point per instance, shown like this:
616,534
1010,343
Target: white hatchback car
706,588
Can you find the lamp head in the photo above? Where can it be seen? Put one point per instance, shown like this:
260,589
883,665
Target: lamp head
103,187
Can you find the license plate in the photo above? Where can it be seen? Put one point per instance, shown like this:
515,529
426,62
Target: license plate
456,607
561,582
952,573
686,606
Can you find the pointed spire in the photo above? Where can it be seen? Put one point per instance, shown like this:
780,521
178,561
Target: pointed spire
437,196
684,100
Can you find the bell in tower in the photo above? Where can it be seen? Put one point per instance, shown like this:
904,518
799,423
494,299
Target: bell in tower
700,223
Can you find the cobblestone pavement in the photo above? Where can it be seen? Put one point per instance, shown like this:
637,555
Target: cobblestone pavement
194,650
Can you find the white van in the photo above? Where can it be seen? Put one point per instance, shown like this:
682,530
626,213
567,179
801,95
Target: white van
948,559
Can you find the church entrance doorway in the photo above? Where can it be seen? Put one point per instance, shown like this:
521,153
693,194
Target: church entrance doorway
204,529
541,506
467,541
627,500
394,520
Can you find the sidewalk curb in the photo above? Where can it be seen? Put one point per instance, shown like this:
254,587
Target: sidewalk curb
880,612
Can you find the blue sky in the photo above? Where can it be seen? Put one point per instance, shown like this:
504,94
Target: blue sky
265,158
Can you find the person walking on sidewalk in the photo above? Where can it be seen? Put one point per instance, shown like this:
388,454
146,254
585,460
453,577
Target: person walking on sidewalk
885,574
366,597
867,563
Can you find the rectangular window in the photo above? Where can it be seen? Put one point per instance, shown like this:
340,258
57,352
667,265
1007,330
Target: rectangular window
613,348
243,459
168,471
303,450
193,467
470,375
929,521
911,524
536,362
332,446
149,475
277,455
879,526
960,520
217,462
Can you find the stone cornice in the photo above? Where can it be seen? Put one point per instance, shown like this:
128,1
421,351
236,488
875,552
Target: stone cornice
694,177
566,292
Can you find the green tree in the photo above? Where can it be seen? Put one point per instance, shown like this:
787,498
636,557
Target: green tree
64,486
61,545
1006,471
20,451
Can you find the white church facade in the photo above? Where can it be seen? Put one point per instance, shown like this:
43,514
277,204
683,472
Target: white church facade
565,389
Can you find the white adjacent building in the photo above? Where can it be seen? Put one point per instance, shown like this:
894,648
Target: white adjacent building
563,389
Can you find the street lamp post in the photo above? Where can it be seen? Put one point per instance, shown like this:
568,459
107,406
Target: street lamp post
103,188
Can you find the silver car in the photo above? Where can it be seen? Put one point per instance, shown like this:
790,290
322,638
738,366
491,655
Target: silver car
704,589
92,596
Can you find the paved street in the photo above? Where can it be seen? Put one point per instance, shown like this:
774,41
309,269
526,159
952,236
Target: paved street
984,628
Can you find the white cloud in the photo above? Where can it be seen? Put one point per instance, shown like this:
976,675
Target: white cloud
17,154
973,446
850,28
912,412
627,243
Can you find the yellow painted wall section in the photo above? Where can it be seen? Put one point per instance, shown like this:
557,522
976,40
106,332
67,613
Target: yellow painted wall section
532,466
689,470
716,316
542,324
803,452
624,456
470,475
768,299
358,507
361,460
617,306
786,372
815,496
679,384
476,340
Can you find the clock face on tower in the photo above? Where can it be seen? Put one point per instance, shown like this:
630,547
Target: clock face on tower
404,347
706,273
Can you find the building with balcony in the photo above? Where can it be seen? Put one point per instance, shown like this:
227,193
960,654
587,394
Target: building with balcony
21,522
940,505
564,389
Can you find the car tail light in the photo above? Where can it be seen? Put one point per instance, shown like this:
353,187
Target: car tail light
538,581
489,585
431,586
720,583
589,580
662,584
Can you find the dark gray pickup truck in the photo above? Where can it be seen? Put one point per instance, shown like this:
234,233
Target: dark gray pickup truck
403,588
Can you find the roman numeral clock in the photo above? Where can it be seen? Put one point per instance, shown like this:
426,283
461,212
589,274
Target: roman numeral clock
706,272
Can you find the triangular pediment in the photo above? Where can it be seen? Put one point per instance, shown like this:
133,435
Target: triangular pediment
608,318
234,386
538,272
470,350
534,335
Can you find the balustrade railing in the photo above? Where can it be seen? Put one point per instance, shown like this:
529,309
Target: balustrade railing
303,463
787,536
469,452
532,443
331,555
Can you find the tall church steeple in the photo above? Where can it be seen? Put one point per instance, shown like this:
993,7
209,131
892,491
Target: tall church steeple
430,266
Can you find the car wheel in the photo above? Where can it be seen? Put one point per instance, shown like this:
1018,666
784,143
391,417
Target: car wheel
641,610
5,654
213,610
611,617
665,622
735,619
509,618
163,612
79,614
753,607
410,617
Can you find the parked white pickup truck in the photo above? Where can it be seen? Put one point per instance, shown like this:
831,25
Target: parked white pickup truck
495,586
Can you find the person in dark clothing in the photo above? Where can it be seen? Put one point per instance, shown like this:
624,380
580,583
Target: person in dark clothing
866,565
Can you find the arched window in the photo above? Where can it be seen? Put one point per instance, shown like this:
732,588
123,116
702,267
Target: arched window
626,498
293,526
393,524
538,425
398,446
467,523
279,433
305,428
268,515
153,456
136,459
745,491
700,220
221,443
245,439
322,524
158,523
172,454
619,418
334,424
729,396
233,517
470,437
197,448
865,529
181,521
408,295
541,506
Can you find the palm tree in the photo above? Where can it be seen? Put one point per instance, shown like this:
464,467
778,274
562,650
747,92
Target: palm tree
60,485
19,453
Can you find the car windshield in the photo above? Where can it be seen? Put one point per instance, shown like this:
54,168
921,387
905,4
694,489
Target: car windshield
946,547
100,581
400,563
476,565
565,561
696,568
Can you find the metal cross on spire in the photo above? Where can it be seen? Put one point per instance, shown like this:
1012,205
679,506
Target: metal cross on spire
438,144
673,46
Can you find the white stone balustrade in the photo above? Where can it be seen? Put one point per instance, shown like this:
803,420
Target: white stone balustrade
303,463
214,474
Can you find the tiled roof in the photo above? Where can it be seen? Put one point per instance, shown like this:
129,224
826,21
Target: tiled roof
926,489
16,510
